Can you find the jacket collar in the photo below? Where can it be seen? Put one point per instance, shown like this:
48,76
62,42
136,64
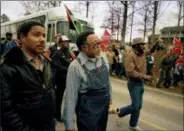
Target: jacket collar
84,58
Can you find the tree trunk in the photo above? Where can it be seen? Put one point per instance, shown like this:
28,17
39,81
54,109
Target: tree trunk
123,31
154,20
145,24
87,9
183,12
132,21
179,14
112,22
118,28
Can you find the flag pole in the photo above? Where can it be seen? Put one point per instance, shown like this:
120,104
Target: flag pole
71,20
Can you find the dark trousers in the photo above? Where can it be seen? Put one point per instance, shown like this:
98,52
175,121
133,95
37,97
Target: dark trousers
60,89
119,69
114,66
168,79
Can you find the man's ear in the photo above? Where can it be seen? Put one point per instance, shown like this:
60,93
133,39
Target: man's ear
22,38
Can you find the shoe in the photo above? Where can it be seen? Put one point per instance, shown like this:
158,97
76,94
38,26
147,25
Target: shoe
135,128
113,110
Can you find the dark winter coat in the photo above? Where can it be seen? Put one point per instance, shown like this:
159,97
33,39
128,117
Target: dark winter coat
27,99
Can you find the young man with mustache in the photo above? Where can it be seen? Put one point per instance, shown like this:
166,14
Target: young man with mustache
27,94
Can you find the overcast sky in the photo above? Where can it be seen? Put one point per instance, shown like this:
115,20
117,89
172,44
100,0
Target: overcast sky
14,10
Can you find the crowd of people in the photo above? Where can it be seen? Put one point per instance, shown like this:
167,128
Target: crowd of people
36,81
171,66
171,70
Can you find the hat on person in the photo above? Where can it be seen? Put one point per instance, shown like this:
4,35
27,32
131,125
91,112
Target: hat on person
64,38
137,41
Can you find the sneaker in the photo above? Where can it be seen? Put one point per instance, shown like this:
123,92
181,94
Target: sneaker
135,128
113,110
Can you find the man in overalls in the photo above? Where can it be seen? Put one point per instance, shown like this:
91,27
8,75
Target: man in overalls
88,90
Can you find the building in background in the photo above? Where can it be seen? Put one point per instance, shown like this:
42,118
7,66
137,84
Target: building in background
168,34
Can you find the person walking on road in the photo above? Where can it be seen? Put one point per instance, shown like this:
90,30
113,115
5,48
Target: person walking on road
27,94
88,89
61,60
135,66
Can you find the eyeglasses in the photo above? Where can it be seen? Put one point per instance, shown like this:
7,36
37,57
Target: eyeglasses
95,46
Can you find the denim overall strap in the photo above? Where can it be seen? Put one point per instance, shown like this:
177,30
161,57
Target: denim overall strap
92,106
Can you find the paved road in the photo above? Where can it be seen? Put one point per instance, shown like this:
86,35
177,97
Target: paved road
161,110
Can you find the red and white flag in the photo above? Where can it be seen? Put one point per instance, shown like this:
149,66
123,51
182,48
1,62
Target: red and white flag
177,46
106,39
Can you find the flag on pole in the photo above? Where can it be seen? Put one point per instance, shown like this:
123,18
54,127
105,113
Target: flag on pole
177,46
74,23
106,39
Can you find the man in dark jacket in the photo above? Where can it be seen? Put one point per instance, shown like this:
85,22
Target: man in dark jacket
61,60
55,47
27,94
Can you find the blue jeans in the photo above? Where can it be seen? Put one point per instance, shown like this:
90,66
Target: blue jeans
136,91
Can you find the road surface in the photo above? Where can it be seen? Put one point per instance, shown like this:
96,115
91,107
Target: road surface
161,110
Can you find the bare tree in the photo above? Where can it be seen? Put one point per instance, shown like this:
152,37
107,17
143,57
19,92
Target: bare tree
183,13
179,4
113,19
118,13
132,18
125,16
35,6
4,18
156,14
87,8
84,4
109,19
146,13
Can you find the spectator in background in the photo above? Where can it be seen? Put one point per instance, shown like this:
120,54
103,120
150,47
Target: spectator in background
7,40
8,37
166,67
56,46
12,44
115,59
119,63
2,46
150,64
123,61
110,56
178,71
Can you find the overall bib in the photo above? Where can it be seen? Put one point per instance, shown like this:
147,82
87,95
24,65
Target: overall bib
92,106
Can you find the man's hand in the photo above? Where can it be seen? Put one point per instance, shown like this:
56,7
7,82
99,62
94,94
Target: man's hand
149,77
47,54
